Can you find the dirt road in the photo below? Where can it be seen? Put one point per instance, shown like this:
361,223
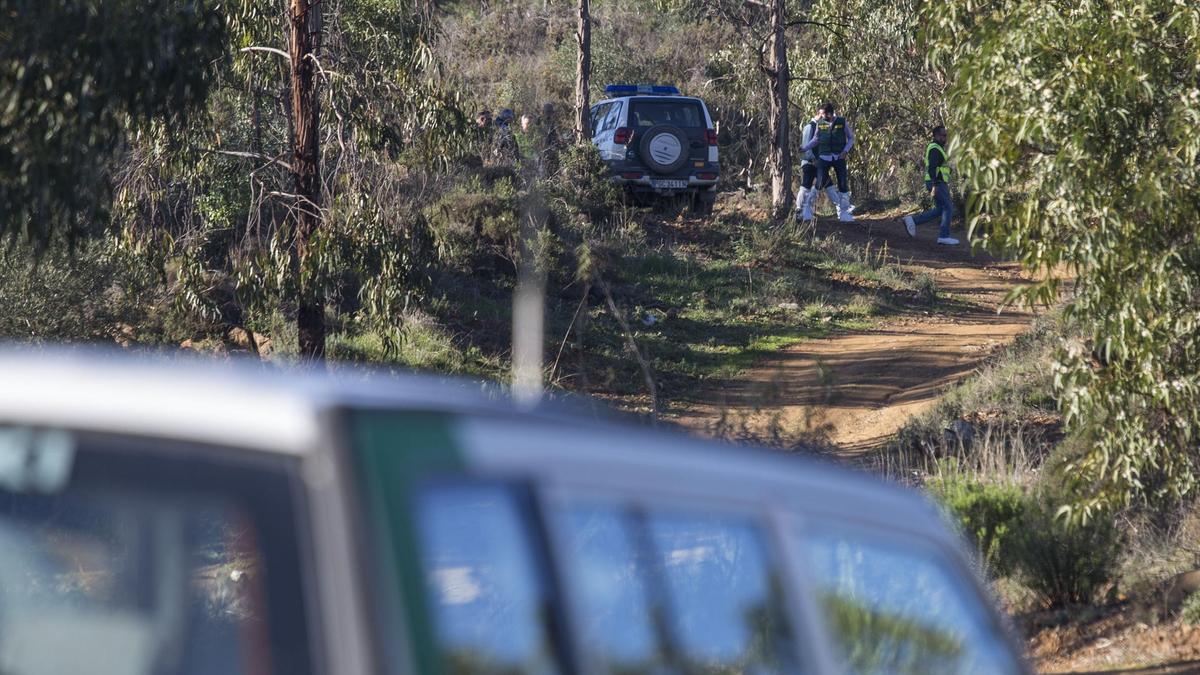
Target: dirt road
855,390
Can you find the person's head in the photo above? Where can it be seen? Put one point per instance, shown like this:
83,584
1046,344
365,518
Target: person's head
828,110
939,135
504,117
526,120
484,118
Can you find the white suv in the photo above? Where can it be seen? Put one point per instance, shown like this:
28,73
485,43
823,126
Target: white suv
658,143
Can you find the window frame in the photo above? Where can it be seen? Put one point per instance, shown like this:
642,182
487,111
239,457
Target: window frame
950,559
806,655
117,463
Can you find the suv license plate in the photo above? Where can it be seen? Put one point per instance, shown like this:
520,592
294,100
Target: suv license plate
669,183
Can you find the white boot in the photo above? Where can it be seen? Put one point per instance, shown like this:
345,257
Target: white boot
801,203
844,208
834,198
810,198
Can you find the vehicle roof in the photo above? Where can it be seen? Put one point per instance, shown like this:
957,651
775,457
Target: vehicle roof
249,404
233,402
650,97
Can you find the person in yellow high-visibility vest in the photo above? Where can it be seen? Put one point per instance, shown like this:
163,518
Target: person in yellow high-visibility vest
937,181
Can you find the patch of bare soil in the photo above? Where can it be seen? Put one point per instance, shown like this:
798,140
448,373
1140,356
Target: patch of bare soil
855,390
1112,641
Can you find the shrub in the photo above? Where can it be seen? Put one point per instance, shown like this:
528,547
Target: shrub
1063,563
1190,612
475,218
989,514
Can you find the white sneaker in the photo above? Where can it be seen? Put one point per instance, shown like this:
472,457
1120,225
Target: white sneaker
910,226
947,241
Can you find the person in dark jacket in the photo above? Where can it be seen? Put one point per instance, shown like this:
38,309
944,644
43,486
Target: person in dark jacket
937,182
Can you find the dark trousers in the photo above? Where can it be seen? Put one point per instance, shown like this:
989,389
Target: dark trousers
839,168
808,177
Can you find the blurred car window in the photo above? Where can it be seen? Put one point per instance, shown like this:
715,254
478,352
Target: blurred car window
128,570
609,583
488,598
892,609
724,593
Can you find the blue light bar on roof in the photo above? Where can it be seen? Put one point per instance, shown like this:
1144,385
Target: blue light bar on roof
630,89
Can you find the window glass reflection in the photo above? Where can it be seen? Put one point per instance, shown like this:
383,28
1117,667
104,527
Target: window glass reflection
724,595
610,587
891,610
487,598
122,583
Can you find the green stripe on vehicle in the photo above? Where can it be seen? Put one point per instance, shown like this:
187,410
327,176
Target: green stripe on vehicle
394,451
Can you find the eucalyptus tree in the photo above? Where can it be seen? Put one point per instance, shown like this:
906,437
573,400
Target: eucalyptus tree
294,182
583,71
1078,133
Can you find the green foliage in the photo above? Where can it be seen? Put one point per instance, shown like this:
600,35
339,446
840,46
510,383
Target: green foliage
1063,562
879,641
95,292
863,58
580,192
1078,133
75,77
990,514
1018,534
475,218
1190,612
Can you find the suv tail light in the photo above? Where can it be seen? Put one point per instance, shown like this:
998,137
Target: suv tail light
623,135
706,176
712,137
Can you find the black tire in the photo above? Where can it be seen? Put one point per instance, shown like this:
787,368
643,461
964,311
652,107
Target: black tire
664,148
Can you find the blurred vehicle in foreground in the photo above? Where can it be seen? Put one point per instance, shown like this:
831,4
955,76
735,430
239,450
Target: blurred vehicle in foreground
201,518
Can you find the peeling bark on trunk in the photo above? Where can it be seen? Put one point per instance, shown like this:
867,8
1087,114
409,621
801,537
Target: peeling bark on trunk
779,76
583,72
304,33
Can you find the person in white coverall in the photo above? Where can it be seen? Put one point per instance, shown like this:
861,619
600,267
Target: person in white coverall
831,143
808,173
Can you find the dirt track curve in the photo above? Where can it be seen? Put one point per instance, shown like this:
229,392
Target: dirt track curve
854,390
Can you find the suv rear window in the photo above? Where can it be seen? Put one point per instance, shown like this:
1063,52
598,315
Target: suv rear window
686,114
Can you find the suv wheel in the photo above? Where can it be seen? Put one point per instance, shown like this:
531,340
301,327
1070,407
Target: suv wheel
664,148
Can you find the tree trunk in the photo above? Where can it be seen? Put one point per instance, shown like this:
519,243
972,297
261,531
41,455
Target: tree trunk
304,45
779,77
583,72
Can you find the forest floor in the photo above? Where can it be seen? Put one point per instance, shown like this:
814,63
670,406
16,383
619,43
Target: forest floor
853,390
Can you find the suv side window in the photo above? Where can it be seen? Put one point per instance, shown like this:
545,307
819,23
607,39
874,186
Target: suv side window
598,114
487,595
614,116
667,592
894,609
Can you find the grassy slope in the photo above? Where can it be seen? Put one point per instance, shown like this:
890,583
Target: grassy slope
702,298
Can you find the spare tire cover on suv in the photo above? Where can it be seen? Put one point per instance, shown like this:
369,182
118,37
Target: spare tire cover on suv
664,148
